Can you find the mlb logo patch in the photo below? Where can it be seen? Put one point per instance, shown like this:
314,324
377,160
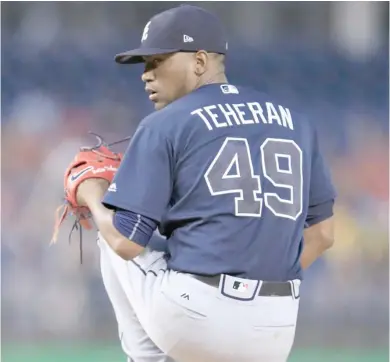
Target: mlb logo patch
240,286
229,89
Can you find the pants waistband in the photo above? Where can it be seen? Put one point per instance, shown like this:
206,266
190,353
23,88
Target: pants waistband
267,289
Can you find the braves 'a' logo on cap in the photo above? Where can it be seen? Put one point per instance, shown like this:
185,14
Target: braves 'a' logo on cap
146,32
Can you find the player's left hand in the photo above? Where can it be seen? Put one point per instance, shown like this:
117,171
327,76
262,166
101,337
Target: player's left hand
90,189
98,162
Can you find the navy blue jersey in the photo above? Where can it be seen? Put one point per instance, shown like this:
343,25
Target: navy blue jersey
231,177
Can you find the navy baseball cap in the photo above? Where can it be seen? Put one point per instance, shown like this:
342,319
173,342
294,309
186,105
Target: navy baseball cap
185,28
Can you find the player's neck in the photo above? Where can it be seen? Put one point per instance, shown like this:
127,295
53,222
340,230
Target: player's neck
219,77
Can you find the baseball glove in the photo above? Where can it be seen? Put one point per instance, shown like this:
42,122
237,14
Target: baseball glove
90,162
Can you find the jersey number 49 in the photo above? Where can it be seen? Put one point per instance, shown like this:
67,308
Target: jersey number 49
235,153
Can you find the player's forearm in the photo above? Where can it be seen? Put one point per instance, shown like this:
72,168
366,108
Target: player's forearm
311,252
103,218
317,239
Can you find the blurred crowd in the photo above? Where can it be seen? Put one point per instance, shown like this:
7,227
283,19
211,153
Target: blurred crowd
56,88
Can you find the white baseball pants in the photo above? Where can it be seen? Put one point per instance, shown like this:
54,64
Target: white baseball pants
166,316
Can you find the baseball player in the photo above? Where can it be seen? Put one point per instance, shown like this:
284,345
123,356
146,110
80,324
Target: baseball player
236,183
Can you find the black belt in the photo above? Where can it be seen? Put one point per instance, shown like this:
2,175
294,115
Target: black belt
267,289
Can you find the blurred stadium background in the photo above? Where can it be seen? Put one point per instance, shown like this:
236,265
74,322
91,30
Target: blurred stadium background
326,59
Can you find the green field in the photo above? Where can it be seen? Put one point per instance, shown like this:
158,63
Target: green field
114,354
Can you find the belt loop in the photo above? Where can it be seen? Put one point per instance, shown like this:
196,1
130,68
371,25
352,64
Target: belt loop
221,282
292,289
259,287
295,290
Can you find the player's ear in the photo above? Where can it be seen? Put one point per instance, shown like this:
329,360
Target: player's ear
201,59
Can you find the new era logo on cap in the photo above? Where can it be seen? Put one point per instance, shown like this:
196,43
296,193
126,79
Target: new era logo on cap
187,39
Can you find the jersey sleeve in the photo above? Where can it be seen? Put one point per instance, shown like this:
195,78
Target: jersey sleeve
143,182
322,192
